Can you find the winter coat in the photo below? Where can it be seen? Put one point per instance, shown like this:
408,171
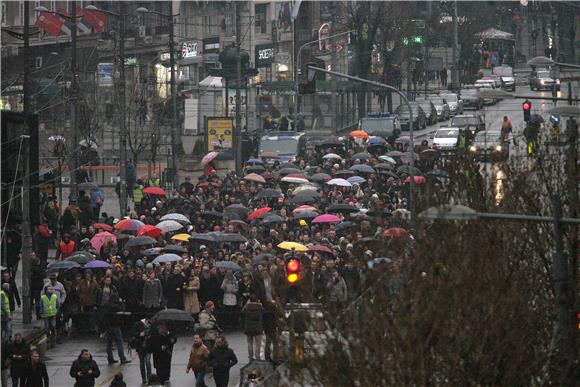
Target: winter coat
152,294
337,290
19,355
57,288
13,295
253,319
209,290
35,375
161,346
37,275
209,324
84,366
230,288
221,359
137,342
132,292
88,293
198,358
173,296
190,300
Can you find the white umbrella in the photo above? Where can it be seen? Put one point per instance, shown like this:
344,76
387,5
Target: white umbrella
176,217
167,258
58,137
305,187
169,225
295,180
339,182
89,144
332,156
388,159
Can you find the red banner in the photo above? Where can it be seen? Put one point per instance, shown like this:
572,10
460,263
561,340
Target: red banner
50,23
96,19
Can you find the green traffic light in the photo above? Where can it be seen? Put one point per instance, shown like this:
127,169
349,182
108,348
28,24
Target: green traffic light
406,41
417,39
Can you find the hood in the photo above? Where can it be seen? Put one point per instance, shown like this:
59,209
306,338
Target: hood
445,141
452,105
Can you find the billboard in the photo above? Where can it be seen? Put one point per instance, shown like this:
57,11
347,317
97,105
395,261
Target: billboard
105,74
219,133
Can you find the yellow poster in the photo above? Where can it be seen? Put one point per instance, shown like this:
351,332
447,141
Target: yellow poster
219,133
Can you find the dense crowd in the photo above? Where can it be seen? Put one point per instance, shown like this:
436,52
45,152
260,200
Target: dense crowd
212,251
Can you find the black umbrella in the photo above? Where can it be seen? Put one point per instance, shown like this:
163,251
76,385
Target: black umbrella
306,197
228,265
81,257
175,249
204,237
394,154
233,216
287,171
407,169
319,177
140,241
362,168
536,119
362,156
383,213
288,165
344,173
173,315
306,215
344,225
438,173
272,219
268,193
389,174
255,168
384,166
341,208
231,237
238,209
212,214
62,265
262,257
152,251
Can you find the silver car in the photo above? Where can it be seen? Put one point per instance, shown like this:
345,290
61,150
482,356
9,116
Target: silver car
455,103
443,111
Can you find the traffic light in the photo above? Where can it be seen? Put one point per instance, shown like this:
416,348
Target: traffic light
310,86
527,106
292,271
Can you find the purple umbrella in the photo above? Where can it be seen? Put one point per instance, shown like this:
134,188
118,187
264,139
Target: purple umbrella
326,218
97,265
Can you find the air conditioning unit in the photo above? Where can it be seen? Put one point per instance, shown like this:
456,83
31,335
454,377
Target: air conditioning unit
142,31
148,39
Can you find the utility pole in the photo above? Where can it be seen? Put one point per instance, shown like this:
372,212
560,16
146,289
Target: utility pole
238,129
26,227
455,70
176,131
74,193
122,115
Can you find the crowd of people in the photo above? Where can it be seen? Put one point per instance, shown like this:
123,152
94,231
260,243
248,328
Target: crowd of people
228,271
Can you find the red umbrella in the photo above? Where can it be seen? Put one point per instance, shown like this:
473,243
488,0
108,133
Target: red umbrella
209,157
150,231
129,225
298,175
154,191
320,249
259,212
395,232
102,226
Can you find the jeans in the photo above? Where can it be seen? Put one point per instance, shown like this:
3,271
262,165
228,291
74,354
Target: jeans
254,341
199,378
89,319
114,334
50,325
6,331
145,365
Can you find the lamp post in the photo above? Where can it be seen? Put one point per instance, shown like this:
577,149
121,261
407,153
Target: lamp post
175,130
122,109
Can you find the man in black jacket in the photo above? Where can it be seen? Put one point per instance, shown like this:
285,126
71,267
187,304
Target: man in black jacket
132,291
161,346
221,359
18,353
85,370
109,304
12,293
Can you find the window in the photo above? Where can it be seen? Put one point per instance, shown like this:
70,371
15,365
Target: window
38,62
53,5
184,73
3,13
21,11
260,21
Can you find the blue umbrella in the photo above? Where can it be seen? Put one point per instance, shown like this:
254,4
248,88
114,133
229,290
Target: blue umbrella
344,225
362,168
167,258
376,141
272,219
97,265
254,161
356,180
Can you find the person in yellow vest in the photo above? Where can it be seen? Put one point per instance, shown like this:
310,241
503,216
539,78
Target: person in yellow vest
6,314
153,181
138,195
49,309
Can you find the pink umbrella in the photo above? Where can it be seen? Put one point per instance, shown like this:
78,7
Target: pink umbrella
303,208
326,218
416,179
209,157
101,238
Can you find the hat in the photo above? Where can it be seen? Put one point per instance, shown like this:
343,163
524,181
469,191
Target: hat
202,247
139,263
153,209
158,203
303,223
149,266
336,166
115,221
349,246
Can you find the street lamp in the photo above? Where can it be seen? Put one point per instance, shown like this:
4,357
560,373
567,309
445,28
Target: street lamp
175,132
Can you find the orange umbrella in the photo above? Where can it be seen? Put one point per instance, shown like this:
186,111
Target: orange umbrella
396,232
359,134
154,191
150,231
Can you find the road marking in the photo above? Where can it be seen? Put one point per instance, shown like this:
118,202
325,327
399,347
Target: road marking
111,375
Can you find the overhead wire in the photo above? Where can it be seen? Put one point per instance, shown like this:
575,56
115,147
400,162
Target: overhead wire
10,201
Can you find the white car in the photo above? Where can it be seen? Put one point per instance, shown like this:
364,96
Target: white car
455,103
446,138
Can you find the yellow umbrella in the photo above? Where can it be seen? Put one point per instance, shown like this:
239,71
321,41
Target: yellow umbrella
292,246
181,237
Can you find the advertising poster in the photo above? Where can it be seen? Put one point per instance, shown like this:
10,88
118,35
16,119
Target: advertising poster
219,133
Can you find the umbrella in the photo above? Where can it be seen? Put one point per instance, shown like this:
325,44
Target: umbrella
362,168
255,168
326,218
394,154
209,158
173,315
383,166
344,225
320,249
320,177
140,241
359,134
262,257
177,249
167,258
231,237
99,239
377,261
181,237
129,225
62,265
268,193
294,180
407,169
395,232
239,223
438,173
388,159
272,219
428,153
403,140
152,251
255,178
97,265
306,215
121,237
376,141
306,197
344,173
238,209
339,182
228,265
389,174
416,179
288,165
149,230
305,187
154,191
259,212
212,214
176,217
169,226
339,208
254,161
288,171
304,208
88,186
362,156
292,246
102,226
331,156
81,257
205,237
234,216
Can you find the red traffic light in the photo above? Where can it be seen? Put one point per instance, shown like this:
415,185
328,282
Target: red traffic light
527,105
293,266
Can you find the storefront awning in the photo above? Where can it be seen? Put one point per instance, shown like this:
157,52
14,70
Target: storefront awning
212,81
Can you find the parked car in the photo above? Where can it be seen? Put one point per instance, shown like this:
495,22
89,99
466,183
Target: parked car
455,103
489,145
429,109
443,111
446,138
543,80
473,121
486,84
285,146
419,118
508,83
494,79
471,99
